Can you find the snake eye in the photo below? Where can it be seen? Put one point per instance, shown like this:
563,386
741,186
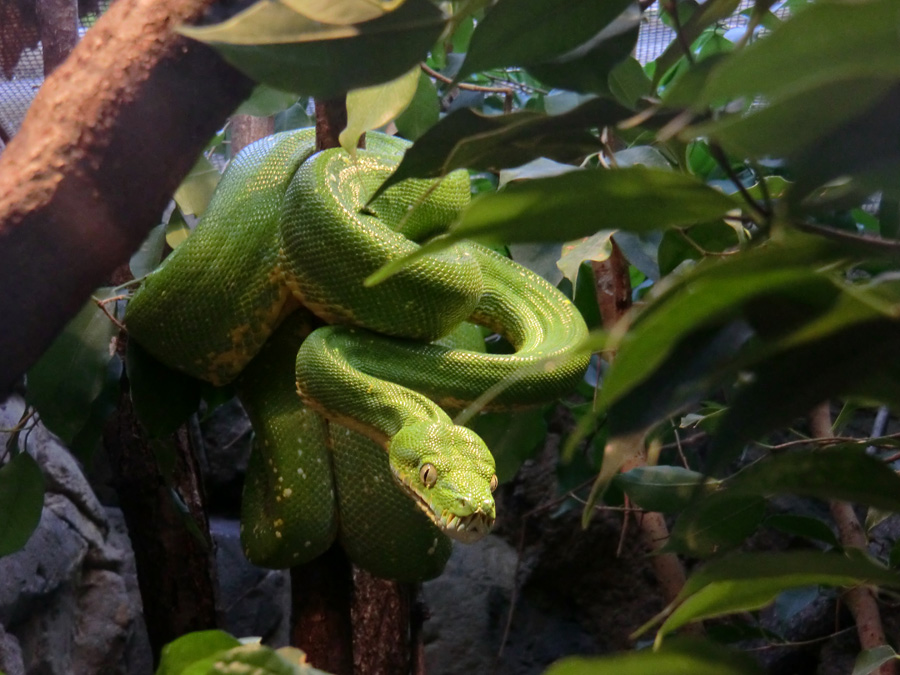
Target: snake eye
494,482
428,475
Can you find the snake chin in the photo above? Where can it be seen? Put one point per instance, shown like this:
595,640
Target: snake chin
463,528
467,529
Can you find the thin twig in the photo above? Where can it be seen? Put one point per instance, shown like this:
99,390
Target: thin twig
506,91
684,461
831,440
719,155
875,244
672,10
102,305
800,643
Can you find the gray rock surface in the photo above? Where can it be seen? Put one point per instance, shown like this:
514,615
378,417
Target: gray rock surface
468,608
254,601
68,600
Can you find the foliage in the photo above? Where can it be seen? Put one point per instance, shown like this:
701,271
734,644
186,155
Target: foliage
213,652
749,177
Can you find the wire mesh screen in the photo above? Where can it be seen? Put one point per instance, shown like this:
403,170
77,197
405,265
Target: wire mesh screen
21,57
21,61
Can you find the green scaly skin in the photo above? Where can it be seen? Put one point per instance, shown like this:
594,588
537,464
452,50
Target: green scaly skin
286,227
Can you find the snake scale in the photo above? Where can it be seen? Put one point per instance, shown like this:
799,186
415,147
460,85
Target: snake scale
268,292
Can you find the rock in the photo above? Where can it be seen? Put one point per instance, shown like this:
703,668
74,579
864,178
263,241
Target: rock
227,438
254,601
468,610
68,600
10,654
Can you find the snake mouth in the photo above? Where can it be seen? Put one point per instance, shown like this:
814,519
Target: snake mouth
466,529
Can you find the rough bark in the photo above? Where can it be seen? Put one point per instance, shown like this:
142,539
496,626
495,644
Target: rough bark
321,593
175,565
59,31
381,618
107,140
331,119
246,128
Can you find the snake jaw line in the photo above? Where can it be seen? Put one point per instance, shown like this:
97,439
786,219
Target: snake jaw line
466,529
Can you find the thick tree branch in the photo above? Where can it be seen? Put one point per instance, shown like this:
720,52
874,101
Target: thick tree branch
109,137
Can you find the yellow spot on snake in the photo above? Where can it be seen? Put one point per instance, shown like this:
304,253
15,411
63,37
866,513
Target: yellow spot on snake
278,534
287,492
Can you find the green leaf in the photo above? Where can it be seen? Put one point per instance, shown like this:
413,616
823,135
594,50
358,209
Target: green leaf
259,660
841,473
678,656
177,229
803,526
628,82
690,243
578,204
750,581
286,50
870,660
511,437
710,295
343,12
86,442
827,42
74,371
866,147
195,191
467,139
423,111
715,524
708,13
294,117
666,489
21,501
587,68
148,256
849,357
597,247
265,101
794,122
163,398
179,655
525,32
375,106
581,202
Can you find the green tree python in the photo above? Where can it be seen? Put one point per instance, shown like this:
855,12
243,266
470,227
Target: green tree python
367,453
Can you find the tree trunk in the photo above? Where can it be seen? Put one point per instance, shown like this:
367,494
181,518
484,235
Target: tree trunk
346,620
175,562
107,140
246,128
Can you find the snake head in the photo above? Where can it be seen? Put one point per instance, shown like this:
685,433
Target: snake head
450,473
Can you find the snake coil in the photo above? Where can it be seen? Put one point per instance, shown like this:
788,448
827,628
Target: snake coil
367,453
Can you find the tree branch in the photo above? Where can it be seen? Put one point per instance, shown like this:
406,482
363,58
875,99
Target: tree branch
860,600
613,289
107,140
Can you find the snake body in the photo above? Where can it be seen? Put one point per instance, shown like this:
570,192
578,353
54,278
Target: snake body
367,453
